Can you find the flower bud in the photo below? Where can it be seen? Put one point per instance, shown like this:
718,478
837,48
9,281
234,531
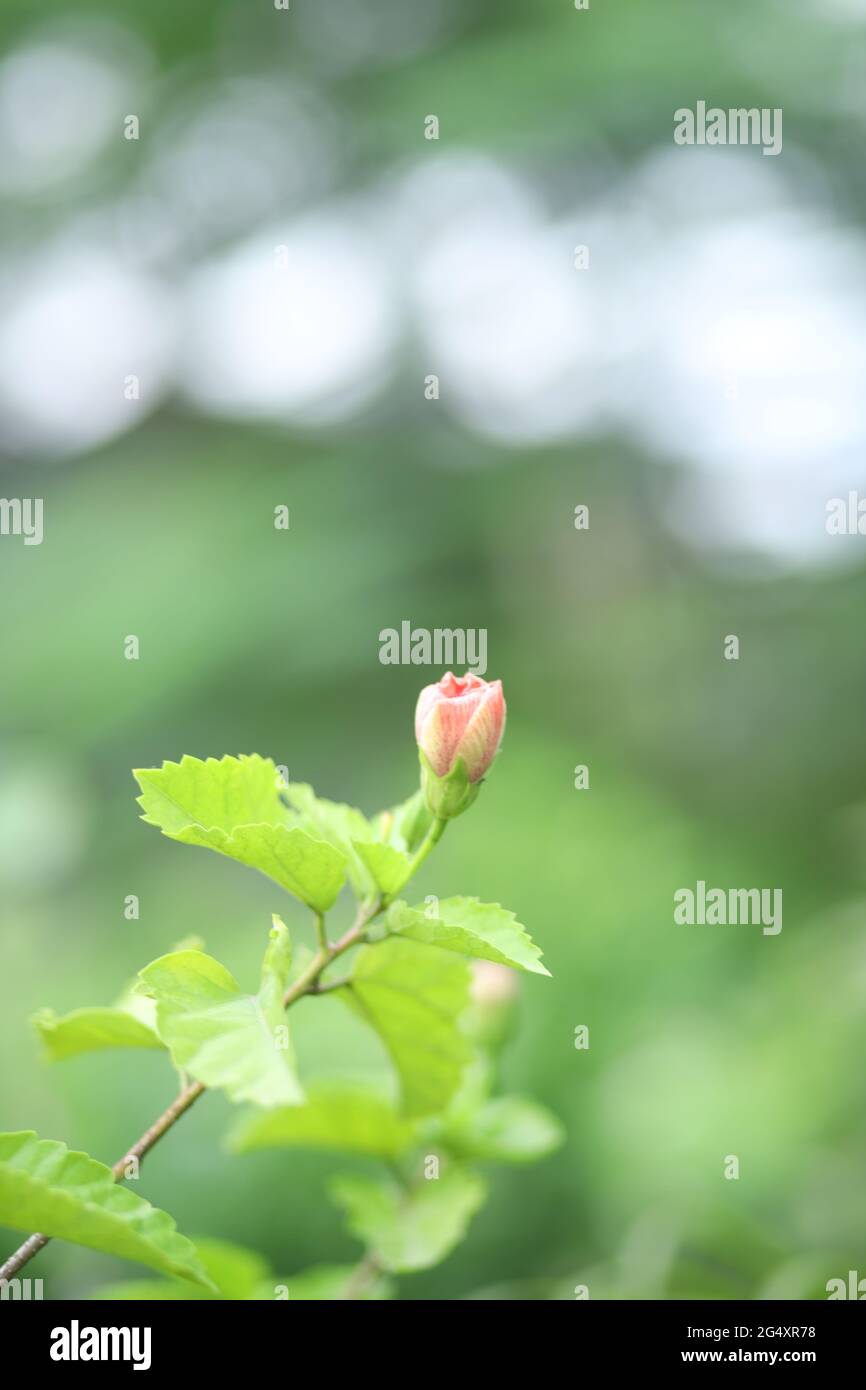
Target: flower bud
458,726
492,1018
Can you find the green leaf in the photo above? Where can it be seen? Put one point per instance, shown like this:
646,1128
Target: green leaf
309,869
376,861
236,1273
338,825
233,806
413,997
90,1030
507,1130
235,1270
242,1275
351,1116
224,1038
388,867
219,793
131,1022
333,1283
414,1230
189,943
484,930
46,1187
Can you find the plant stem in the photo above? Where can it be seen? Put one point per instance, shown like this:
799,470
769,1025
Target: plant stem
32,1246
319,988
431,839
151,1136
305,984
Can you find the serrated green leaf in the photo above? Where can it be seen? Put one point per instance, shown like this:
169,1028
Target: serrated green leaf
309,869
374,850
46,1187
224,1038
471,928
406,1231
219,793
506,1130
233,806
413,996
337,824
349,1116
91,1030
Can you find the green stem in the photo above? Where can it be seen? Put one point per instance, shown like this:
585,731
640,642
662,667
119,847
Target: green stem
431,839
305,984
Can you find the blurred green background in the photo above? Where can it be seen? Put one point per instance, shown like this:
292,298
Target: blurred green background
699,387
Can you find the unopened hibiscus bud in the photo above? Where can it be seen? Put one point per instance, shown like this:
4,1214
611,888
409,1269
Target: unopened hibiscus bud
458,726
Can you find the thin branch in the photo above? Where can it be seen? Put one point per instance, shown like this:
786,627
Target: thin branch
306,983
329,985
431,839
25,1252
151,1136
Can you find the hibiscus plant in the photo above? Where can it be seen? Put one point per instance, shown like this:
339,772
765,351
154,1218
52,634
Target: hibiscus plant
404,970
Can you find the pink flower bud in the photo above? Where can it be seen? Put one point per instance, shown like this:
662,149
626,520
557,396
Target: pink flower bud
460,718
492,983
495,989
